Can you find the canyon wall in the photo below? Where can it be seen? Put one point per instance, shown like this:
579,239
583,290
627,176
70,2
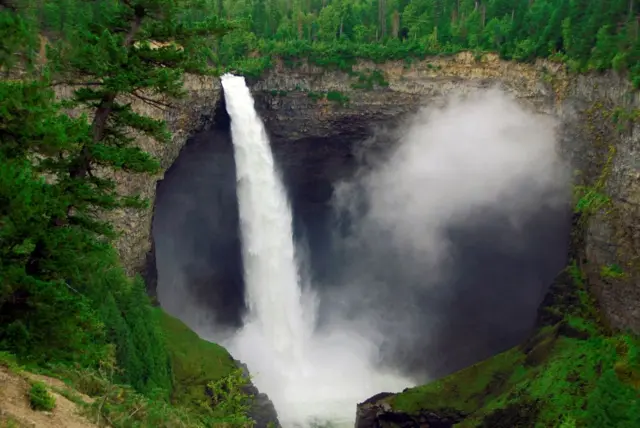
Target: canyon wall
187,116
597,123
604,154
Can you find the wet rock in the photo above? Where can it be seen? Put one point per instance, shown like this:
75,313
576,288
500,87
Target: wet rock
590,142
376,413
262,410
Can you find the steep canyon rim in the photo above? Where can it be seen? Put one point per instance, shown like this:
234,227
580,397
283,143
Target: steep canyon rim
438,247
583,104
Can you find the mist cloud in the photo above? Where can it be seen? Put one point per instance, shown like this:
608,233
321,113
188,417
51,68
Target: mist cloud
468,180
480,152
441,247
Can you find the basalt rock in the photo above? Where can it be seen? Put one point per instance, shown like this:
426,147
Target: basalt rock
598,138
599,148
603,152
585,106
262,410
459,390
376,413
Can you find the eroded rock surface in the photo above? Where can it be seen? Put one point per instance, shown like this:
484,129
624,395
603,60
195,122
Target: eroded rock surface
262,410
377,413
601,144
600,137
601,152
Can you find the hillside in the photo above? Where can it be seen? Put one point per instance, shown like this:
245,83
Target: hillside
16,404
68,306
83,397
91,122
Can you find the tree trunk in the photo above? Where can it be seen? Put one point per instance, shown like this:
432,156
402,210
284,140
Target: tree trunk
82,166
395,24
382,18
99,123
484,15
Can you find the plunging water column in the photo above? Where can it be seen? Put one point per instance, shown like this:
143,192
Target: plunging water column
309,376
270,268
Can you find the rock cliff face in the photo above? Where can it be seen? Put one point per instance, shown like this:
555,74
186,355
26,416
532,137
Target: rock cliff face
603,153
188,115
519,387
597,124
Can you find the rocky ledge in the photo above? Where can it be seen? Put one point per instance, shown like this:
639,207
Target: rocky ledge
262,410
377,413
598,125
599,137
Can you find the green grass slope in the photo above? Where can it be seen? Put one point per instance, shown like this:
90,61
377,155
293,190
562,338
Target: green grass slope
571,373
206,386
194,362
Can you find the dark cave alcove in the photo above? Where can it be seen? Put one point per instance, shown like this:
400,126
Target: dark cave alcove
195,231
488,305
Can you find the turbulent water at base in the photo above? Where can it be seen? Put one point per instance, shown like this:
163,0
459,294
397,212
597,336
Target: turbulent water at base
313,378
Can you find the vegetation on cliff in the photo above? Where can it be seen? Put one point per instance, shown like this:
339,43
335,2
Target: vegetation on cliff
585,34
66,305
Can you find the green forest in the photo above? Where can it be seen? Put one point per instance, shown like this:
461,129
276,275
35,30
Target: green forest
584,34
67,306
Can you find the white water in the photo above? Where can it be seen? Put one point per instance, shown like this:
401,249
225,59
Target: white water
311,377
270,268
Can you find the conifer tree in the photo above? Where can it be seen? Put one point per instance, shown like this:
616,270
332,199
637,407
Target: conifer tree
18,37
41,318
116,52
56,269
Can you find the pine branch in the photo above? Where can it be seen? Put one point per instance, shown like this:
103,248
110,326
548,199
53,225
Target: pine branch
106,104
153,103
69,83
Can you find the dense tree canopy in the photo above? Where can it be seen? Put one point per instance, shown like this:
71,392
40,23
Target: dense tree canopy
586,34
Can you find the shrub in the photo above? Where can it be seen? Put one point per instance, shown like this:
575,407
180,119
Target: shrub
40,398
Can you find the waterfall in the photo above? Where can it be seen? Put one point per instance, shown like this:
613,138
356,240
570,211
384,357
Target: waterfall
309,376
270,268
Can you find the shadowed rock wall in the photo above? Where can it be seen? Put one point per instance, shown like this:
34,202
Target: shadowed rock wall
584,104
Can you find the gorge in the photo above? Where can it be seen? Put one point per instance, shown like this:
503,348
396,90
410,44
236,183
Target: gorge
315,214
318,144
